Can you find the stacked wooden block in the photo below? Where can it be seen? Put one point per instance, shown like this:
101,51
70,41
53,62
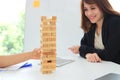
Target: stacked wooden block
48,44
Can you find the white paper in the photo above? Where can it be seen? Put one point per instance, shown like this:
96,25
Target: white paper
17,66
14,67
0,78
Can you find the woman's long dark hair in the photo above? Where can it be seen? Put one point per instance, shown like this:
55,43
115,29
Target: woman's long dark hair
103,5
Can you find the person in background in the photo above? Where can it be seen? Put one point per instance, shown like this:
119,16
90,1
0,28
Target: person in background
101,26
9,60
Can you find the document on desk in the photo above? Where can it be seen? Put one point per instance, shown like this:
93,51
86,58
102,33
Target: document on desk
9,68
0,78
61,61
16,67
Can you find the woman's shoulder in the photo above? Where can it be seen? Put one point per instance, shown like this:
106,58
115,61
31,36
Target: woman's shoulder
114,18
113,22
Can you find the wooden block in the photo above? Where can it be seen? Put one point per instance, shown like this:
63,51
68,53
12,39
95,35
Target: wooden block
48,49
49,64
47,67
47,53
54,17
48,44
50,59
45,23
45,61
52,22
48,27
49,34
43,18
46,71
48,39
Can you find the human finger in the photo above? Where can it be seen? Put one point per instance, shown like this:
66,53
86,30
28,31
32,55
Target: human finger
97,57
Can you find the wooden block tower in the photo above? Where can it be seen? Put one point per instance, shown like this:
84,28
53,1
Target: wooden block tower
48,44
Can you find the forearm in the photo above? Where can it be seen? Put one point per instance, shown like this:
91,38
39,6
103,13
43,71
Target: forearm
14,59
103,54
86,49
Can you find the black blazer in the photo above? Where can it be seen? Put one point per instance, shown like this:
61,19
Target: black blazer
110,38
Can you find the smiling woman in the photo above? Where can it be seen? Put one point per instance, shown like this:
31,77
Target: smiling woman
11,26
101,26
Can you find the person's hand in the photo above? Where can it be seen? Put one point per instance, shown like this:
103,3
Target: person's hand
74,49
36,53
92,57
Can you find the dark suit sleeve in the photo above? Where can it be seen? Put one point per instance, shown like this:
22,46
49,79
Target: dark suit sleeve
85,46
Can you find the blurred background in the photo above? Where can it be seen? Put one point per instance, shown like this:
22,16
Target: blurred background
20,23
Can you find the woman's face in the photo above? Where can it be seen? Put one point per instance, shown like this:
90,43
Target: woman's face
93,13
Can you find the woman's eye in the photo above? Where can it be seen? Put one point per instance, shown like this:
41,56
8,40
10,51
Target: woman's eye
85,9
92,8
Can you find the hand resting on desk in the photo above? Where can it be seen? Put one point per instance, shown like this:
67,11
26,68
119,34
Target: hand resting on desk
90,57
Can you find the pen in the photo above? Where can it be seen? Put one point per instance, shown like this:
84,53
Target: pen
26,65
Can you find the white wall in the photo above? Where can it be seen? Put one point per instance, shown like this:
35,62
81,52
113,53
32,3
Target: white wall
115,4
68,22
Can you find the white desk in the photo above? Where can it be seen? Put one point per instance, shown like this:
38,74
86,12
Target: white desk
78,70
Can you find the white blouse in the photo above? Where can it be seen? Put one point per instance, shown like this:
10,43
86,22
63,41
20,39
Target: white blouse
98,41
